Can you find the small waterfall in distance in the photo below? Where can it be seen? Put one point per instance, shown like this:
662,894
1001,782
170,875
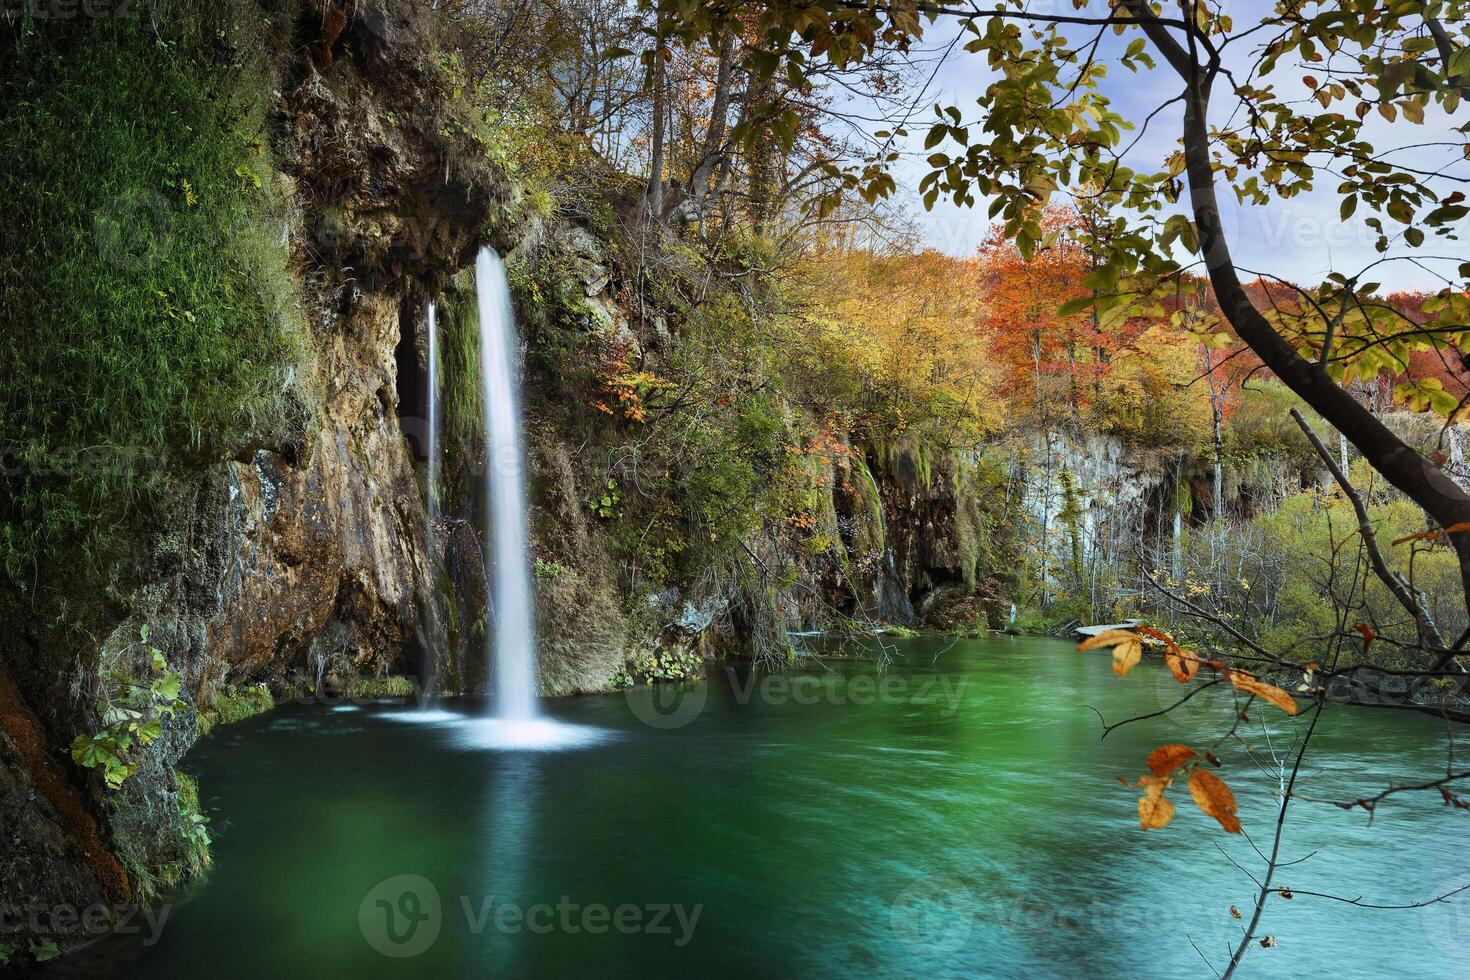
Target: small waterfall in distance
432,440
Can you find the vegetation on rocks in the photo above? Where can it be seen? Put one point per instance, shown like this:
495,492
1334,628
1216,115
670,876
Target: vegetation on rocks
144,215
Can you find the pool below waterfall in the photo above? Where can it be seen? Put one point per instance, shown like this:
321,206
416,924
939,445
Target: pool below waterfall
953,813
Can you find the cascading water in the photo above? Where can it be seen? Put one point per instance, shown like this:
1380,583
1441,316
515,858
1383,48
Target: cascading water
511,647
513,650
432,440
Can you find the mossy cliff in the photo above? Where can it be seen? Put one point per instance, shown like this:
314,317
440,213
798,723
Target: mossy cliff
222,213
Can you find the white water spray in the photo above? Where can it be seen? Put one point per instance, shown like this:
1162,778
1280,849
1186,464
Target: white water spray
513,648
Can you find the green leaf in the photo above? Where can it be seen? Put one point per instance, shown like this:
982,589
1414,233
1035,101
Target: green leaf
1074,306
1104,278
245,173
167,687
45,950
149,731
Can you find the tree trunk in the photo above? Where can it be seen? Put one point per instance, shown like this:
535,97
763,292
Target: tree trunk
713,154
660,114
1416,477
1217,502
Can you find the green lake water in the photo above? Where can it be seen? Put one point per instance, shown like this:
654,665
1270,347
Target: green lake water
952,815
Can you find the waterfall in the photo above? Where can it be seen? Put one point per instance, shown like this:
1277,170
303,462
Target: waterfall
432,439
513,648
510,649
1177,571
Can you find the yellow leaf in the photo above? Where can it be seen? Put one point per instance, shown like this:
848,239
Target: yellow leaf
1264,691
1154,812
1213,797
1127,648
1166,758
1154,785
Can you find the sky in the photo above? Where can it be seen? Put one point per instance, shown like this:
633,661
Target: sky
1302,239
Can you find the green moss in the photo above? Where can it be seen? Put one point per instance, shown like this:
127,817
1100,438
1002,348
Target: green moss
368,688
232,704
144,260
196,827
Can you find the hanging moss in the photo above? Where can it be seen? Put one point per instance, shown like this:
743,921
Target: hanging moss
460,410
1183,495
974,483
874,505
1070,517
145,258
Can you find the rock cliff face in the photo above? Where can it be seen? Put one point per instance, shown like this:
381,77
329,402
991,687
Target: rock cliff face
298,560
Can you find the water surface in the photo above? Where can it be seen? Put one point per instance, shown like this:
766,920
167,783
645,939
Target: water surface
954,814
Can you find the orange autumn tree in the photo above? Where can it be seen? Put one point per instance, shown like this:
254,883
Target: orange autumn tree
1053,365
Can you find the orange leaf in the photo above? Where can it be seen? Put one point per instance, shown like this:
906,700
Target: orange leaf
1154,785
1213,797
1154,812
1455,528
1126,656
1166,758
1369,635
1127,648
1416,537
1108,639
1158,634
1264,691
1183,664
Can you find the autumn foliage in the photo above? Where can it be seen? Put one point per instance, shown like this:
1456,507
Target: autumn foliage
1165,763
